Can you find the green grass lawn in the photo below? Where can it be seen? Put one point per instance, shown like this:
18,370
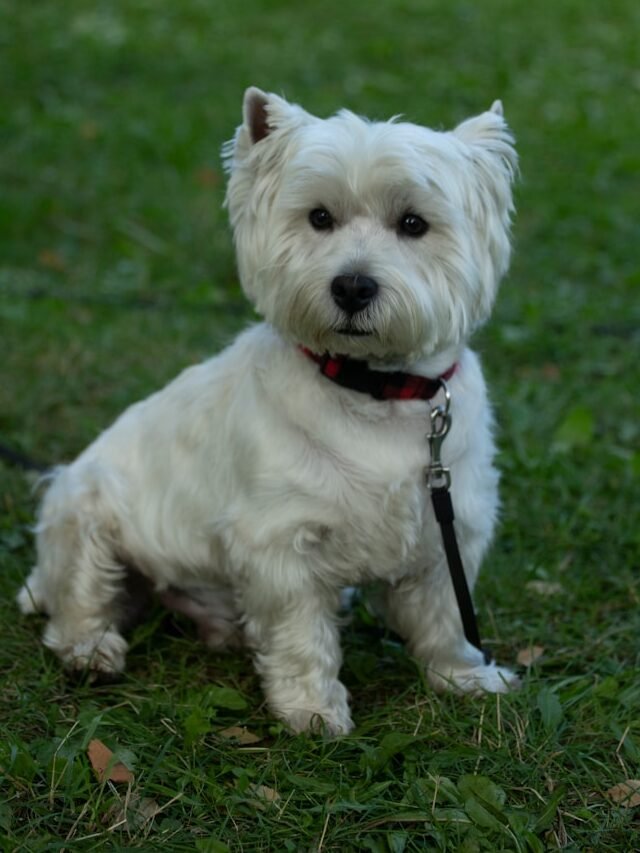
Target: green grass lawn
116,271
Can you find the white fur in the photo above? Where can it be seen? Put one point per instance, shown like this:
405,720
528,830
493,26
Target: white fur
252,490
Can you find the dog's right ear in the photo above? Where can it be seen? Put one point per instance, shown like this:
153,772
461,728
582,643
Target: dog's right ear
264,113
258,113
254,111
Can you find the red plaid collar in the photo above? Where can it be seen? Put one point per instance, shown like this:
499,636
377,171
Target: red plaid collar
381,385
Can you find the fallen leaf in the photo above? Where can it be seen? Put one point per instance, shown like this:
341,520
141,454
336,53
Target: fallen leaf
264,793
132,813
626,794
50,259
529,655
208,177
551,371
240,734
546,588
224,697
146,809
89,130
575,431
566,561
550,709
100,757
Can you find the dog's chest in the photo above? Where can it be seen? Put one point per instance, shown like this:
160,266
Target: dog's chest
381,511
354,500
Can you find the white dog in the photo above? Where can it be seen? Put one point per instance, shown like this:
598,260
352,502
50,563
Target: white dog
253,489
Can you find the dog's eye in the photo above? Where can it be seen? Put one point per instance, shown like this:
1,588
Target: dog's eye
321,219
412,225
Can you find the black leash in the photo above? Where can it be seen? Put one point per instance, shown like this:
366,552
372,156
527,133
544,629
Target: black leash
21,460
439,482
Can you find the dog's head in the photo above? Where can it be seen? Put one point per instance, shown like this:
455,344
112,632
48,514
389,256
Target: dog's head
380,240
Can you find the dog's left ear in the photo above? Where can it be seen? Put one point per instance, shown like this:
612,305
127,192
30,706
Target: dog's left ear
489,148
488,135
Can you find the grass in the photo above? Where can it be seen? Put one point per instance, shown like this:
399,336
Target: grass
116,271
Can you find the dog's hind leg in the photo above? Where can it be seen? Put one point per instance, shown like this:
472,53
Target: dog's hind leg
77,579
213,610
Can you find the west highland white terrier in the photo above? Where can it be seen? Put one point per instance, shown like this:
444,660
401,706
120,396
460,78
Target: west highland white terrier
257,486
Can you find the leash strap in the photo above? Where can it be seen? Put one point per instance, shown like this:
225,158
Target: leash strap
439,482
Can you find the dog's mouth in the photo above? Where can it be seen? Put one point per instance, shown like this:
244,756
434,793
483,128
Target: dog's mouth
354,333
351,328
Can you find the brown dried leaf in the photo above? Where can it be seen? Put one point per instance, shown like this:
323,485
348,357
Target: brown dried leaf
89,130
100,756
551,371
528,656
626,794
240,734
208,178
50,259
545,588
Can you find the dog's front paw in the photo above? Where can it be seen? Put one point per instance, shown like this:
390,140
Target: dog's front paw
102,653
487,678
330,721
306,710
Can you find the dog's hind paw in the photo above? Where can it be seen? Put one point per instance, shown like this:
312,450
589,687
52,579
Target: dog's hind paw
31,598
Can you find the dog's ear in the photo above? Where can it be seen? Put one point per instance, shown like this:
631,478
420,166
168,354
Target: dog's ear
489,149
254,112
489,134
263,114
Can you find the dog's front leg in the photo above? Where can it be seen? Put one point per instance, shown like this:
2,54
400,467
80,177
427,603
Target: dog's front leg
297,653
423,610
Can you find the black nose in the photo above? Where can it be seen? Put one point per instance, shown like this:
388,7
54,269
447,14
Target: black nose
353,293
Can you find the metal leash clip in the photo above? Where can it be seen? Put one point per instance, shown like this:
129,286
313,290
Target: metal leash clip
438,475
